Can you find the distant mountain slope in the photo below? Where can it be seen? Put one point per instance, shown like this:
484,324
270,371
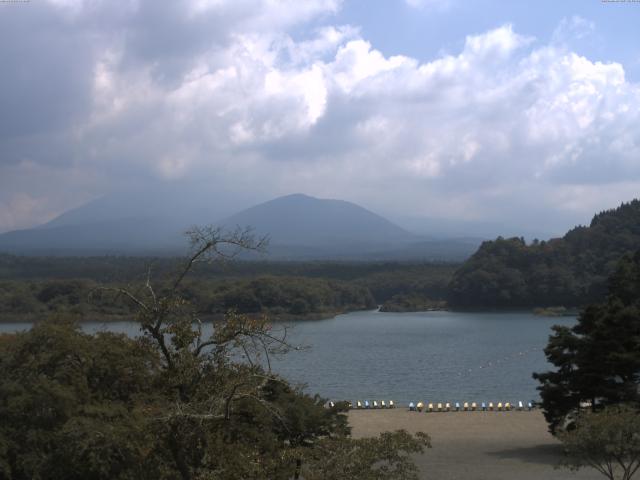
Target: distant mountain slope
134,236
300,220
300,228
569,271
149,221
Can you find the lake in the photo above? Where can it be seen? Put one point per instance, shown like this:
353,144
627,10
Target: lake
428,356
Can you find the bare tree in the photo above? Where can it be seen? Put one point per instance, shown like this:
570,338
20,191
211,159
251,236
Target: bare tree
209,373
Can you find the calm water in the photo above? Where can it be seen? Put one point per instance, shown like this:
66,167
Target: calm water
429,356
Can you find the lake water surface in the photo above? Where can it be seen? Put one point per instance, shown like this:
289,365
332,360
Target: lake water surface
429,356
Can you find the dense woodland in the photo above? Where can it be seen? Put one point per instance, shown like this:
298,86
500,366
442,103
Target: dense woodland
34,286
569,271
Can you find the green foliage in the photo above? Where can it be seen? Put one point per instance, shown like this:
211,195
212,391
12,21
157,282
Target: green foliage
608,441
597,360
569,271
384,457
72,405
427,281
287,291
290,297
174,404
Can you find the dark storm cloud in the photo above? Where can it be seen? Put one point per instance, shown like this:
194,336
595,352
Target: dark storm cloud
46,72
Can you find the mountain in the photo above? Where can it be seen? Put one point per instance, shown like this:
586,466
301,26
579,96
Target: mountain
306,221
300,227
149,221
570,271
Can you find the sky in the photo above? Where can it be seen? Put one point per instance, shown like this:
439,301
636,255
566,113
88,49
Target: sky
520,113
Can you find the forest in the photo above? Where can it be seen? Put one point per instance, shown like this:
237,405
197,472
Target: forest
571,271
33,286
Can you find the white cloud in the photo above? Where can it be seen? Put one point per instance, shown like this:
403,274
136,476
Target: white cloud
574,28
498,128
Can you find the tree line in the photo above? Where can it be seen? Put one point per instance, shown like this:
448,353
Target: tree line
571,271
297,290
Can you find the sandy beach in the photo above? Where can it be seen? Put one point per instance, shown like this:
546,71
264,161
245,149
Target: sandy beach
476,445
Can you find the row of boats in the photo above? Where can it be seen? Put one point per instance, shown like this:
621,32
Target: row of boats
366,404
470,407
444,407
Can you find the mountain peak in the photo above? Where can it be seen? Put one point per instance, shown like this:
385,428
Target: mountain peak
300,219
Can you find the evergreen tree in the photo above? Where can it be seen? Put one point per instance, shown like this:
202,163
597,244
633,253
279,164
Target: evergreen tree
598,359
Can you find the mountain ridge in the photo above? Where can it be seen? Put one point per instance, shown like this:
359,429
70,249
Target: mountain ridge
300,227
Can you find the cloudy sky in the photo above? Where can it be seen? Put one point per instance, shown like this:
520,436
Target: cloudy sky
512,112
